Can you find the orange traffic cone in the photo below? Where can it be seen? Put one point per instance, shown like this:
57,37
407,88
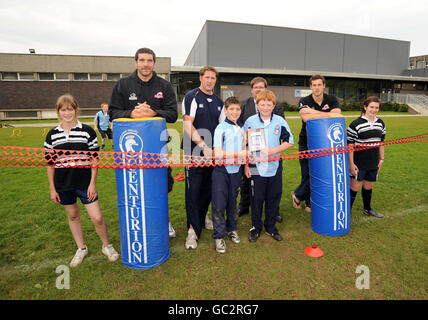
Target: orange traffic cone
314,251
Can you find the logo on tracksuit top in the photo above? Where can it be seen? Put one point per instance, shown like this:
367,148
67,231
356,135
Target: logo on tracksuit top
159,95
326,107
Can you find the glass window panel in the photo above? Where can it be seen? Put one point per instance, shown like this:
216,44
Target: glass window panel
26,76
46,76
96,76
62,76
80,76
113,76
9,76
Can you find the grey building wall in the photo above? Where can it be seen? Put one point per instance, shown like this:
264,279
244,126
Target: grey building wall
225,44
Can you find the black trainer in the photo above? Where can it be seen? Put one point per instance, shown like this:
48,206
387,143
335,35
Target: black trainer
254,235
373,213
275,234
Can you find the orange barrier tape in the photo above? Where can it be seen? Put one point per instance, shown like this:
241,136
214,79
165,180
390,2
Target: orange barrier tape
23,156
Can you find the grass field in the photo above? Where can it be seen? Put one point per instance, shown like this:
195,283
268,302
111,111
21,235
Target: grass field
35,239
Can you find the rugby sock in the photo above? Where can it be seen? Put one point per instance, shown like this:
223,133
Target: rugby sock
353,196
367,198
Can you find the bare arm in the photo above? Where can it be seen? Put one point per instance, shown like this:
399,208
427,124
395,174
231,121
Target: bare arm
194,135
54,195
309,113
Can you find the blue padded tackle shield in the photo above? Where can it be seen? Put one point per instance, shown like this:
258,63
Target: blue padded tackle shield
142,194
329,177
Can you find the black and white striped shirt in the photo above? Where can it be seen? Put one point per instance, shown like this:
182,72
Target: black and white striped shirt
82,138
362,131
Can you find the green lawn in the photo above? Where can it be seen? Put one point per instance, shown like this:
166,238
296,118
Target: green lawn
35,239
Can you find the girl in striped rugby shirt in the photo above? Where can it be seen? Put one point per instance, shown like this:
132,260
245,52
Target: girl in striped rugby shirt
67,183
364,165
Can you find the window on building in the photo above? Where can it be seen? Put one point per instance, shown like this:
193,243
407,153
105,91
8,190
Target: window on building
96,76
9,76
113,76
46,76
80,76
26,76
62,76
420,64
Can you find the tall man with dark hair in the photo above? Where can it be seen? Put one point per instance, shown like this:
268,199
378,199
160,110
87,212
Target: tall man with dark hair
202,112
144,94
249,108
316,105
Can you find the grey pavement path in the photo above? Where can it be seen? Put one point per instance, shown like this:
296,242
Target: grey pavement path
17,125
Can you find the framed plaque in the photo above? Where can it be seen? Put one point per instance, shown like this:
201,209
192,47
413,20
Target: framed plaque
256,140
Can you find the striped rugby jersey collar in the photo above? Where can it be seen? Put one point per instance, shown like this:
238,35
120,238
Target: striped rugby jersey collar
368,120
78,125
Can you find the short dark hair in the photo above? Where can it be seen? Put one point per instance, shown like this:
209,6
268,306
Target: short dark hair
231,100
257,80
145,50
316,77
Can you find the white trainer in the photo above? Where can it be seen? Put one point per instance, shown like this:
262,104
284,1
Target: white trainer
191,242
233,236
171,231
220,245
111,254
78,257
208,223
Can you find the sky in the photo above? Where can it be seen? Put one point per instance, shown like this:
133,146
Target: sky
170,28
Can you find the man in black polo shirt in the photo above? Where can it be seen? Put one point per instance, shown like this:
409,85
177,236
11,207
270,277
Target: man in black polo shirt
316,105
249,108
144,94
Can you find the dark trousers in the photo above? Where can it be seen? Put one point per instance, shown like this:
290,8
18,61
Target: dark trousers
303,191
225,188
265,191
197,196
245,202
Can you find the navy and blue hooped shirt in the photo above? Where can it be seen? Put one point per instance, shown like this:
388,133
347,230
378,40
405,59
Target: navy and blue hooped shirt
229,137
207,113
276,130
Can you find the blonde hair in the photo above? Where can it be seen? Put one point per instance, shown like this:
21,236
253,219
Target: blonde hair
66,99
266,95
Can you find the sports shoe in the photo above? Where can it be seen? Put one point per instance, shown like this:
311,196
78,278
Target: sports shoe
78,257
254,235
296,202
171,230
191,242
111,254
275,234
220,245
373,213
233,236
208,223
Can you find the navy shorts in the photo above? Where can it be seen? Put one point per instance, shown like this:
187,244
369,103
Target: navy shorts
107,133
70,197
368,175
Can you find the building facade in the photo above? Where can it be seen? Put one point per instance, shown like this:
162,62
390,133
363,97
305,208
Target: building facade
354,66
31,83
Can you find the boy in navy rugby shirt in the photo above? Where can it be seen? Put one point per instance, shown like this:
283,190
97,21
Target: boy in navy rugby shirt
69,183
266,176
228,146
